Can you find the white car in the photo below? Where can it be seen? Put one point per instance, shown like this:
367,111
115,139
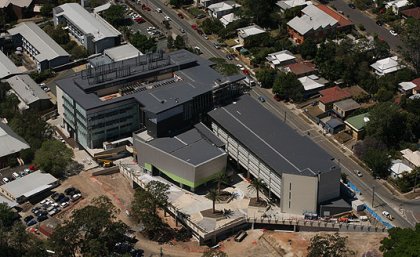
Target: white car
359,173
385,213
158,10
167,18
239,65
65,204
393,33
5,180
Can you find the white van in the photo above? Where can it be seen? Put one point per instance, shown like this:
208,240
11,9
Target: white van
15,175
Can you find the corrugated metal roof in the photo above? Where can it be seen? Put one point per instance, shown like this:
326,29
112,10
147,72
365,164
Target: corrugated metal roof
122,52
7,67
29,184
10,142
27,89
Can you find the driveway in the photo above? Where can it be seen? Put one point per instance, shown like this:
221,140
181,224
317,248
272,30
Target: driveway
358,17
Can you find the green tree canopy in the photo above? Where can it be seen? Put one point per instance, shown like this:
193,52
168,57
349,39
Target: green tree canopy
401,242
266,77
179,42
259,10
7,216
286,85
78,52
329,246
411,39
53,157
115,15
142,42
211,26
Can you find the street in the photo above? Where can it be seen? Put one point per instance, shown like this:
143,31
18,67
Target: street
358,17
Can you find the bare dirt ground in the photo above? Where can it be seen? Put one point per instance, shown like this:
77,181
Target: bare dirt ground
271,244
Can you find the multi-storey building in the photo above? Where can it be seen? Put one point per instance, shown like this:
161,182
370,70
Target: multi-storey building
90,29
46,53
162,93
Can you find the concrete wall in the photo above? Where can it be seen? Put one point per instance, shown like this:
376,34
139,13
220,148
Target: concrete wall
329,185
299,194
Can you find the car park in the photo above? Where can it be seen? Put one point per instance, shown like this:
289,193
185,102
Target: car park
31,223
28,218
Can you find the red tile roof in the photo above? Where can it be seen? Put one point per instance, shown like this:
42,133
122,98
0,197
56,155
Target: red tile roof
413,12
333,94
417,82
301,68
342,20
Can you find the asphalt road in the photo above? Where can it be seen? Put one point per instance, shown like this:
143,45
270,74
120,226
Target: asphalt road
358,17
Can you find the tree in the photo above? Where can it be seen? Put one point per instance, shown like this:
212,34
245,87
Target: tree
9,106
214,196
115,15
411,39
78,52
256,185
214,253
53,157
91,231
378,162
220,179
286,85
170,42
143,43
329,246
266,77
259,10
401,242
46,10
308,49
179,3
211,26
7,216
179,42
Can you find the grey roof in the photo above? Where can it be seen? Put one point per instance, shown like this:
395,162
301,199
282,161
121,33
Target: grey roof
100,60
189,146
88,23
7,67
195,78
347,105
334,123
274,142
10,142
48,49
122,52
30,184
7,201
27,89
207,133
313,18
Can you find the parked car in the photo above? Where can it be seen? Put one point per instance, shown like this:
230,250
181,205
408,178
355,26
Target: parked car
76,197
64,199
42,218
261,98
180,15
54,196
380,23
200,16
15,175
31,222
28,218
5,180
240,236
69,190
158,10
352,6
393,33
167,18
359,173
64,205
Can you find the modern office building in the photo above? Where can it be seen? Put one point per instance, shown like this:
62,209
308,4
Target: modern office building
90,29
164,94
189,159
115,54
41,48
30,94
296,170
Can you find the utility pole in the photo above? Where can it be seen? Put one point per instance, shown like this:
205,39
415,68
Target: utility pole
373,196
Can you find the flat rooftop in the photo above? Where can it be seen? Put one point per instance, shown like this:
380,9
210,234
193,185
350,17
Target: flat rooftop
191,76
30,184
274,142
190,146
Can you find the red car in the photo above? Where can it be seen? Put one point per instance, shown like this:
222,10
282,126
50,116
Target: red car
139,20
180,15
194,26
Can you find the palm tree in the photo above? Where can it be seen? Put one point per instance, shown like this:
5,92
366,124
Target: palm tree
257,184
214,196
221,178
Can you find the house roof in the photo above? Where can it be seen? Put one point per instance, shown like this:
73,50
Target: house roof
30,184
356,91
334,123
7,67
287,4
279,57
398,168
47,48
250,31
412,157
358,122
333,94
313,18
122,52
397,3
417,83
271,140
387,65
223,6
88,23
190,146
27,89
406,86
228,18
342,20
413,12
301,68
347,105
10,141
312,82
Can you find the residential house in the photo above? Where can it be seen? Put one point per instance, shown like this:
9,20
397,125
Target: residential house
300,69
218,10
331,95
249,31
397,5
281,58
333,126
345,107
416,82
387,66
312,84
11,145
89,29
406,88
7,67
289,4
31,96
398,169
45,52
411,158
207,3
228,18
413,13
316,21
356,125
